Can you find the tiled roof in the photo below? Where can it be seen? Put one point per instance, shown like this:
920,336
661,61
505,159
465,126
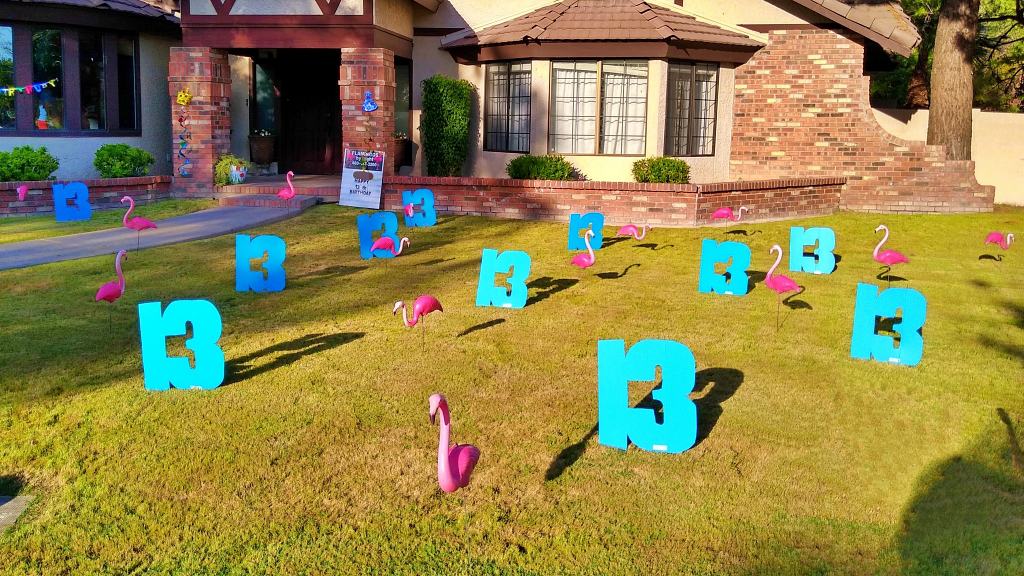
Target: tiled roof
604,20
153,9
880,20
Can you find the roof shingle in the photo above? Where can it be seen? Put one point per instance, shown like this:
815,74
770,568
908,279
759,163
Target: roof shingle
155,9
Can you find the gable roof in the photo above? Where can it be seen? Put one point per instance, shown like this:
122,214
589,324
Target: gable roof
154,9
882,21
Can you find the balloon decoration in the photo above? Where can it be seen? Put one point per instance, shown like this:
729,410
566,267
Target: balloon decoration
270,277
618,423
455,464
184,100
155,327
734,282
514,263
78,193
28,88
867,344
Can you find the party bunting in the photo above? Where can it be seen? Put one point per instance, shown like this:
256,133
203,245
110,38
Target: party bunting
28,88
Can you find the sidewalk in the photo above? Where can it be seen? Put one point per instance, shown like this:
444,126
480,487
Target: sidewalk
195,226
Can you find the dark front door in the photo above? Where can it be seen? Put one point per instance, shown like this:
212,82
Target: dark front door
310,129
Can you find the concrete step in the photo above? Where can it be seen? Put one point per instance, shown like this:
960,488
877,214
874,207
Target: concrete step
299,203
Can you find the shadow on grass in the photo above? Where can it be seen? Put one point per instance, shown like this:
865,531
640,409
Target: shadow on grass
654,247
613,240
713,387
241,369
338,271
793,304
11,485
436,261
742,232
992,257
482,326
617,275
886,276
547,287
968,511
754,277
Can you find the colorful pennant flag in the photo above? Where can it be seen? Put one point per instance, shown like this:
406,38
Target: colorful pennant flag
28,88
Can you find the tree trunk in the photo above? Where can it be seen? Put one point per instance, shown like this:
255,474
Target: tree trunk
917,91
952,94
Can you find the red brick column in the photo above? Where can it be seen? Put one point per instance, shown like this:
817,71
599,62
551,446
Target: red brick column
802,109
206,73
368,70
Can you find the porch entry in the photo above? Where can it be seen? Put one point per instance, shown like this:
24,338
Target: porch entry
296,96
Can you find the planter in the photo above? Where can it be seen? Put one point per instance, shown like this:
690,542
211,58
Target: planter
402,150
261,149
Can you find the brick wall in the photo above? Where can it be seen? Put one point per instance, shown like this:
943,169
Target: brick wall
664,205
802,109
103,193
368,70
207,74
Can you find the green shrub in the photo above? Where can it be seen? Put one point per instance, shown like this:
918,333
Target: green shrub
661,170
447,106
27,163
222,170
551,167
122,161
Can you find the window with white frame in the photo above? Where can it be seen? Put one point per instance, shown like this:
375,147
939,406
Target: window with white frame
599,107
692,106
507,117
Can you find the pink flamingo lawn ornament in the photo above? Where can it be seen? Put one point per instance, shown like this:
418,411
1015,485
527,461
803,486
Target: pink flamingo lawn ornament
424,304
386,243
584,261
289,192
887,258
455,464
112,291
999,239
22,192
138,223
410,210
632,230
725,213
780,284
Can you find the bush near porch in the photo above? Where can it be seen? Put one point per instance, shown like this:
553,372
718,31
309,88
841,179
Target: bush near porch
447,106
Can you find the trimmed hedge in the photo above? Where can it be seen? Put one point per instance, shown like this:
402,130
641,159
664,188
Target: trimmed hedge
447,107
661,170
122,161
551,167
26,163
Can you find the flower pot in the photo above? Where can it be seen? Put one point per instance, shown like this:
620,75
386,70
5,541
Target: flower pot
401,157
261,149
42,124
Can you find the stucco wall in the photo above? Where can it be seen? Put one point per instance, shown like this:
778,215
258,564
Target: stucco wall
76,154
429,60
996,147
394,15
738,12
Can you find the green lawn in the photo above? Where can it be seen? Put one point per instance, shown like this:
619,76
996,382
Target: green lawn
317,458
19,229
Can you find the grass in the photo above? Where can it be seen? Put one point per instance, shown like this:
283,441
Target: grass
316,457
20,229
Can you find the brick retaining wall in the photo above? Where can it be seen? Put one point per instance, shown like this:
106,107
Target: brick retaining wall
103,193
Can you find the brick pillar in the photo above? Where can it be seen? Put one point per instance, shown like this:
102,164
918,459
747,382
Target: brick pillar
207,74
802,109
368,70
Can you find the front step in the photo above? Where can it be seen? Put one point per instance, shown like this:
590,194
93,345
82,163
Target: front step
299,202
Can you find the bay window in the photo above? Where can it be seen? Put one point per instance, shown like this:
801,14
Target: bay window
599,107
692,108
507,116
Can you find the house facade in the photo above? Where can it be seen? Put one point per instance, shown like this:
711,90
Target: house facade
103,66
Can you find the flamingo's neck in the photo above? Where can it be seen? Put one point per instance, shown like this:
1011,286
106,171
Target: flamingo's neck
739,213
778,260
590,249
405,317
131,206
444,434
1009,240
117,266
401,245
288,177
643,232
885,238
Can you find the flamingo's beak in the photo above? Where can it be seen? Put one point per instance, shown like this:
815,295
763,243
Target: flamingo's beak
398,306
435,403
879,229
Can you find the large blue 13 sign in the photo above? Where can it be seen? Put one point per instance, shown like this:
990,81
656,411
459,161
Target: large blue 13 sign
868,344
618,423
578,225
824,259
386,223
426,215
734,282
161,372
248,249
78,193
514,263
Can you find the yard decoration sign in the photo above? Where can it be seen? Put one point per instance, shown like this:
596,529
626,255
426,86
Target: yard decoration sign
270,277
514,263
78,194
867,344
578,226
161,372
618,423
384,222
822,260
362,178
733,282
426,216
184,100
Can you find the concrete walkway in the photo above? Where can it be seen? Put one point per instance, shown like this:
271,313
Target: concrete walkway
194,226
